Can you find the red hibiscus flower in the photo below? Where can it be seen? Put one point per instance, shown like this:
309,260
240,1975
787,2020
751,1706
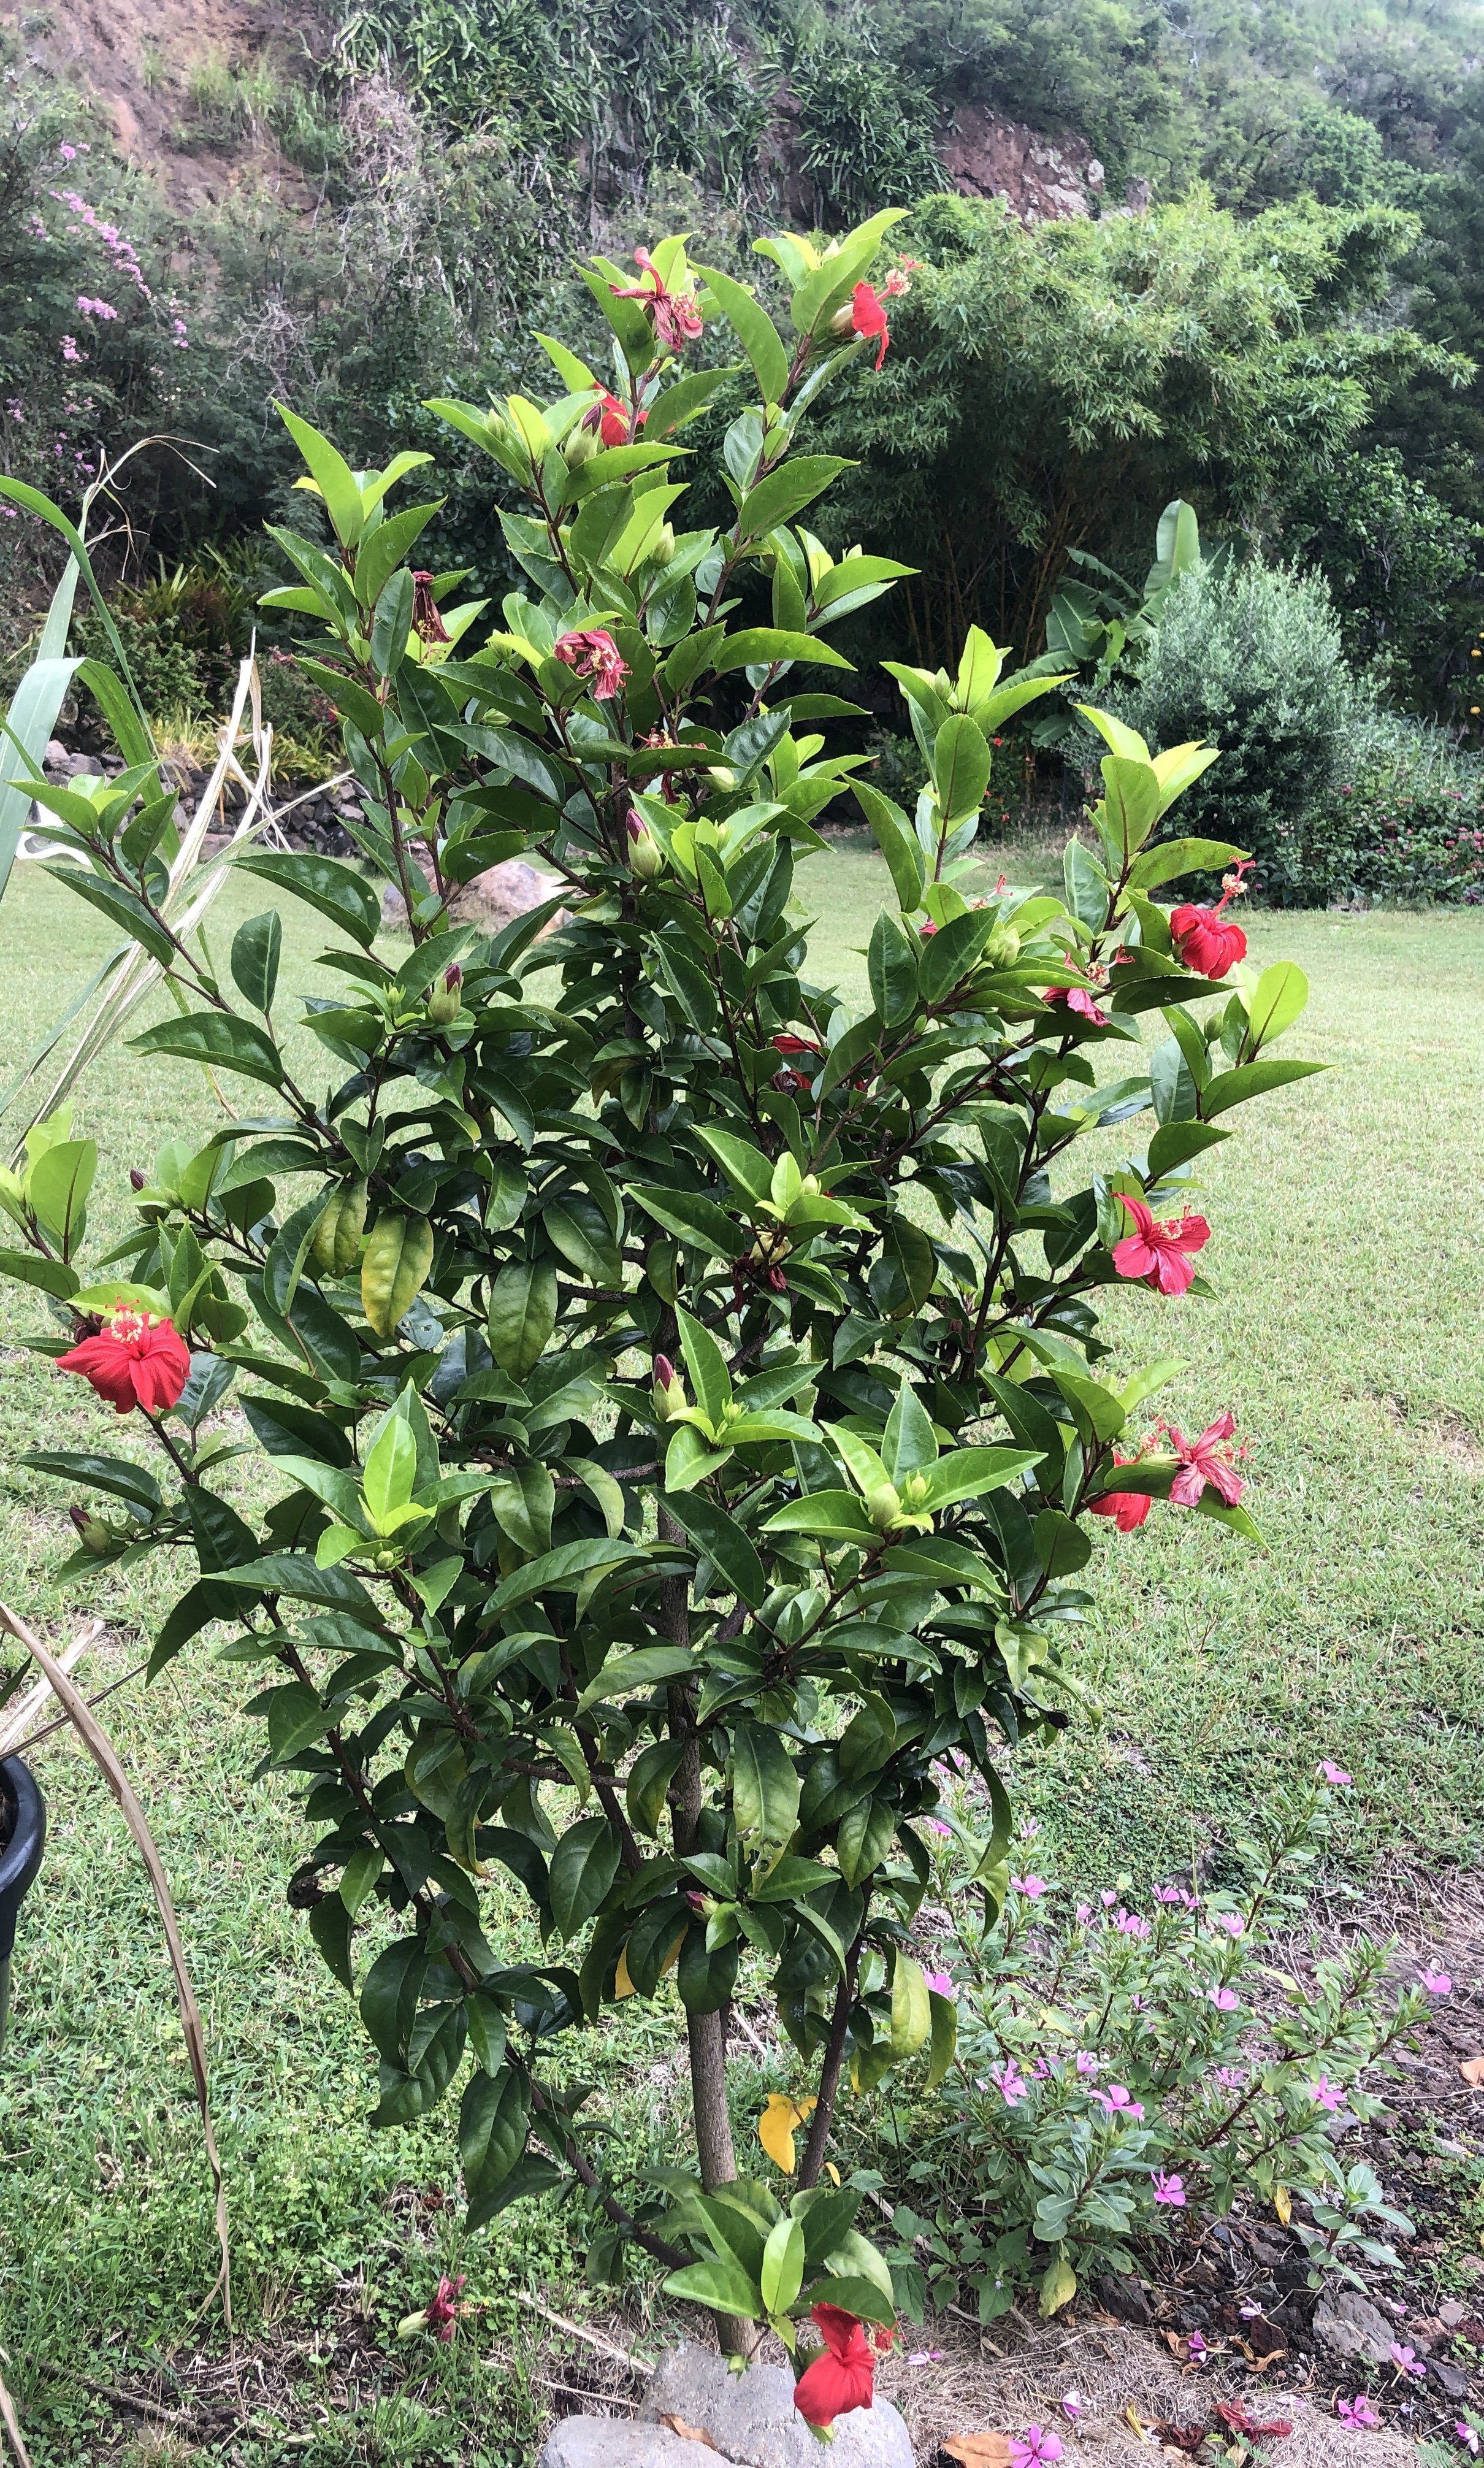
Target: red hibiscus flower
793,1080
1126,1508
842,2376
868,317
1207,1460
1077,998
1157,1253
677,321
138,1359
1200,939
594,655
611,418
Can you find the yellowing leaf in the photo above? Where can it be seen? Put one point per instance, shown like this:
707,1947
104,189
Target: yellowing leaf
622,1985
1059,2286
831,2172
1283,2204
777,2126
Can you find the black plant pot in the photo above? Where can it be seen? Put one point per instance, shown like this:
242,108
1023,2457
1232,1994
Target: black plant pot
22,1838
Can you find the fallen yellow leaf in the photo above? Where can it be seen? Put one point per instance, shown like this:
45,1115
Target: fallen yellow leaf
777,2124
1283,2204
978,2449
688,2432
1471,2069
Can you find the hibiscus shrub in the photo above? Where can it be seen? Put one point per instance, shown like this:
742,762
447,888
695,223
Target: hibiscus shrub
682,1386
1119,2070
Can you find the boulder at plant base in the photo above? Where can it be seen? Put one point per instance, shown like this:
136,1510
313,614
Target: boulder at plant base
752,2420
617,2442
490,901
1349,2325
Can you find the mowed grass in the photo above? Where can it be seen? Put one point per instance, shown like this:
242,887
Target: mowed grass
1348,1339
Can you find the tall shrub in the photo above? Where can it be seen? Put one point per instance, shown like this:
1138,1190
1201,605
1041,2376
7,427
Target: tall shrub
1252,659
682,1384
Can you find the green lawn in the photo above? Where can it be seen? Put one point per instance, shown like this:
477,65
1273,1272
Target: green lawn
1348,1338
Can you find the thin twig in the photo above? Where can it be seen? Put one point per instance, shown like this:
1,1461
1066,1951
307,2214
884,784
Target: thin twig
579,2331
63,1722
135,2402
11,2422
13,1724
105,1757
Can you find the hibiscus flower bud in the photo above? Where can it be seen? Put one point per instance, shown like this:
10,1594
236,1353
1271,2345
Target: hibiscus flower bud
721,777
444,999
645,854
669,1390
581,446
92,1533
136,1179
662,547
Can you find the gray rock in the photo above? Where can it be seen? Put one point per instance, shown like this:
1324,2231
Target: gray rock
752,2420
492,901
1451,2380
617,2442
1349,2325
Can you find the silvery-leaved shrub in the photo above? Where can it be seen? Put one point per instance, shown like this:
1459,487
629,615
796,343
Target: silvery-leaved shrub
681,1385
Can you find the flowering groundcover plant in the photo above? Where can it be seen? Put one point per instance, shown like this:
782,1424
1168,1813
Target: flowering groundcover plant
1123,2062
683,1386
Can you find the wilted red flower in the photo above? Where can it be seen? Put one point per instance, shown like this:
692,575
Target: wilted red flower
1201,940
677,321
1077,998
842,2376
442,2309
792,1081
1126,1508
1157,1253
1206,1460
426,621
594,655
138,1359
868,317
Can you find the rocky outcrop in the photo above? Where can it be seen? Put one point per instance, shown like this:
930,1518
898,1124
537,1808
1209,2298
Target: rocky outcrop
1041,179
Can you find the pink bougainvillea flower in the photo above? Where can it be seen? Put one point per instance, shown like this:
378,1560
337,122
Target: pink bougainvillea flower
1127,1509
677,321
1206,1460
1158,1255
1406,2360
137,1360
1036,2448
1168,2189
1032,1888
939,1981
593,655
1437,1983
842,2376
1357,2413
1077,998
1201,939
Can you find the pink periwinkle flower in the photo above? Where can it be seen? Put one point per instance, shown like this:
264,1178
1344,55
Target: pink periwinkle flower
1011,2085
1357,2413
1038,2447
1336,1776
68,153
1230,1921
1072,2404
1168,2189
1108,1898
1468,2436
1437,1983
1195,2345
925,2357
1088,2063
1224,2000
939,1981
1406,2360
1130,1924
1032,1888
935,1825
1118,2101
1083,1913
1327,2095
1028,1829
1231,2077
